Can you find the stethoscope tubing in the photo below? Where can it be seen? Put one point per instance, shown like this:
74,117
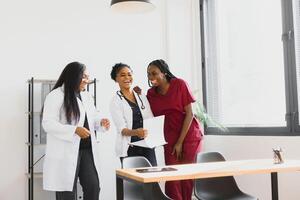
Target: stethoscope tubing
119,93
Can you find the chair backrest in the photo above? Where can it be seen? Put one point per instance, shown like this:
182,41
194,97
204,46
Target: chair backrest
136,161
210,157
212,188
134,191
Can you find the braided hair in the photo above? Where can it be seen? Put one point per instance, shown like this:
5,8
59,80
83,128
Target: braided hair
163,67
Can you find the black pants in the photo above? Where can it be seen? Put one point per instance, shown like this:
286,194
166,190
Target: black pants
88,178
141,151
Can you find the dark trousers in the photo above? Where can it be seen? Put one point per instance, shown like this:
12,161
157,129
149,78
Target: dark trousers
88,178
141,151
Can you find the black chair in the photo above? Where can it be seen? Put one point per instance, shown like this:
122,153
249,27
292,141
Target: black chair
221,188
134,191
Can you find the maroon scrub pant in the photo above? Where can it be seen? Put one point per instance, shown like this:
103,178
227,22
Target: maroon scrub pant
181,190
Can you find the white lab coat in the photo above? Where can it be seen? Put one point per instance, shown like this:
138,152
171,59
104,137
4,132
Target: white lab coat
62,143
121,114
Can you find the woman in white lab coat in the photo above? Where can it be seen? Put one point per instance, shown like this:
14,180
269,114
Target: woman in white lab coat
128,109
70,120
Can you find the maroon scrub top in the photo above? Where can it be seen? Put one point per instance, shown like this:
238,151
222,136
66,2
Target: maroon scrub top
172,106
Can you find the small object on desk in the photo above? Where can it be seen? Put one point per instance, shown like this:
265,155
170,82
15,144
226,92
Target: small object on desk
278,158
157,169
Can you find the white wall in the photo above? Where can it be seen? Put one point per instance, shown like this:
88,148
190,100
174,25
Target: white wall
38,38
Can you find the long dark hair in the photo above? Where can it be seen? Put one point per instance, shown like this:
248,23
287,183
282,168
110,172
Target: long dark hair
70,78
163,67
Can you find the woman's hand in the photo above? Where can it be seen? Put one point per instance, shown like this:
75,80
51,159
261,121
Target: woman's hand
105,123
184,130
141,133
138,90
82,132
178,150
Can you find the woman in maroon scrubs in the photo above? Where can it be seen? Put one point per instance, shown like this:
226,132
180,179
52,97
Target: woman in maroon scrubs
171,96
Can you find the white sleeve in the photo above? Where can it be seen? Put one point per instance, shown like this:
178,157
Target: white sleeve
117,116
51,116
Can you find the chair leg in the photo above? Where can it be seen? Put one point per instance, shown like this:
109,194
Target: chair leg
158,193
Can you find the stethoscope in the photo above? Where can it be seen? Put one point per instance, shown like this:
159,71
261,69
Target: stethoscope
119,93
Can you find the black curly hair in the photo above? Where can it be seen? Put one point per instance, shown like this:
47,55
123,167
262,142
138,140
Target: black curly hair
116,68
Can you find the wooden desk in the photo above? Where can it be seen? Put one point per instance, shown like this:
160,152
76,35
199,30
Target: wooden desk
207,170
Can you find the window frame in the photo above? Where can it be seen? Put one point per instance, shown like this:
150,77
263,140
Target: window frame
292,127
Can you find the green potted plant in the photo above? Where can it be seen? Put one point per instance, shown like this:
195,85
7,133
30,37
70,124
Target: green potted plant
205,119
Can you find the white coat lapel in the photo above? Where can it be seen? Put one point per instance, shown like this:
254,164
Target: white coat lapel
82,112
143,103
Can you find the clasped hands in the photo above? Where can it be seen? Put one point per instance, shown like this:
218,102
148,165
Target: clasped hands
141,132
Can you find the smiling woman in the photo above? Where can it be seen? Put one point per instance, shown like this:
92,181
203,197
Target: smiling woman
69,118
128,110
171,96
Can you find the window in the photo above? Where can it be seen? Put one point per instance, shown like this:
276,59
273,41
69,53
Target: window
296,19
249,65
